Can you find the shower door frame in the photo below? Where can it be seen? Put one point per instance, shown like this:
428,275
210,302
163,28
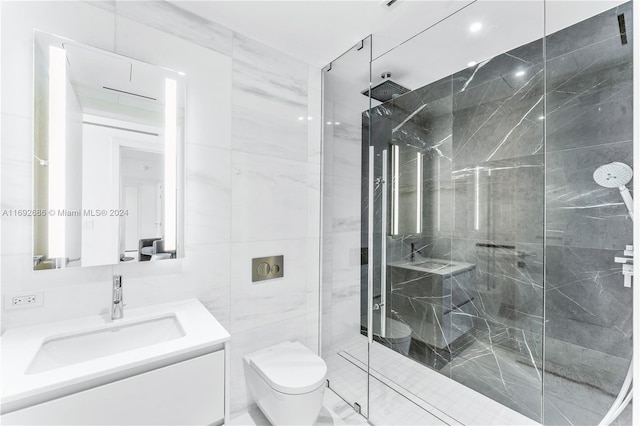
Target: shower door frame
636,208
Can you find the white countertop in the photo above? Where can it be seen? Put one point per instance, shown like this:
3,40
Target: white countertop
452,267
203,333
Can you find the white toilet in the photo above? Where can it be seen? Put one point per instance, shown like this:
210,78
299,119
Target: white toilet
397,334
287,381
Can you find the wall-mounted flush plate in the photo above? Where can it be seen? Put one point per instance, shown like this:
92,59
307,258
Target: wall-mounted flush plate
267,268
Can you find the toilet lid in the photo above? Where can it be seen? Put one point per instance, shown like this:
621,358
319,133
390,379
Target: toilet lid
290,368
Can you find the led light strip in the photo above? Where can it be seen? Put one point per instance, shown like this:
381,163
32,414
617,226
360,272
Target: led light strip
57,151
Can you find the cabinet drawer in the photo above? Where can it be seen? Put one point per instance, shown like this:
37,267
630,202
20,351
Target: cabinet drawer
187,393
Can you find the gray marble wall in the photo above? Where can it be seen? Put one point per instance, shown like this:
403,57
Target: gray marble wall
483,191
492,172
589,123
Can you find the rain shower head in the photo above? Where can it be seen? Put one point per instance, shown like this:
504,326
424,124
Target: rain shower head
386,90
613,175
616,175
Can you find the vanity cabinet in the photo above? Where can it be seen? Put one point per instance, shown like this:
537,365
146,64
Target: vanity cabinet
436,303
190,392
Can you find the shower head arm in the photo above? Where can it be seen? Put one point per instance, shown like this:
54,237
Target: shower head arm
626,197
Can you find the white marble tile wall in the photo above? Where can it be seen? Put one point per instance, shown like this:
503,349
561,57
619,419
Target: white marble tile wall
269,198
169,18
252,178
341,214
65,288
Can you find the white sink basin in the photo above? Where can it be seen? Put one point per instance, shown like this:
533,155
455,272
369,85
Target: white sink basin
433,264
58,351
441,267
51,360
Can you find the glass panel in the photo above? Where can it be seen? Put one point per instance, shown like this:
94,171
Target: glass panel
344,250
487,223
463,278
589,123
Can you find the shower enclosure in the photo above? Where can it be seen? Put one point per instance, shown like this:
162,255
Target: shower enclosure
474,267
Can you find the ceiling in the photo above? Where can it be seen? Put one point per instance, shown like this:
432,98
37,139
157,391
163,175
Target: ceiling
317,32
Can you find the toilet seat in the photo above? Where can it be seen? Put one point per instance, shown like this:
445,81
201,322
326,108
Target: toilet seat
290,368
395,330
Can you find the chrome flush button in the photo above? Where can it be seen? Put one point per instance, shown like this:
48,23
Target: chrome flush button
263,269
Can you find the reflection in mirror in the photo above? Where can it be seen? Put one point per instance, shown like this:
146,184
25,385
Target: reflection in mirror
406,189
108,138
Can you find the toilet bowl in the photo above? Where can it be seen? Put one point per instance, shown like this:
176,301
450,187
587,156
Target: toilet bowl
287,381
397,335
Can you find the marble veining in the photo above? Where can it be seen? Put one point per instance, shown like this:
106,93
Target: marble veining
507,158
168,17
263,89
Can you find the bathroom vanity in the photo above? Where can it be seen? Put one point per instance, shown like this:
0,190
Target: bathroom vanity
162,364
434,297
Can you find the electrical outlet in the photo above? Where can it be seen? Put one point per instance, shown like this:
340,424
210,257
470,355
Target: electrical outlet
24,300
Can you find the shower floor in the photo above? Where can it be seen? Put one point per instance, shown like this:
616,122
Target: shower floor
476,387
414,394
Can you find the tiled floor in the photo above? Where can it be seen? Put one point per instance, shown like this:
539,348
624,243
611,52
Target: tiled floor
403,392
413,394
433,399
566,401
334,412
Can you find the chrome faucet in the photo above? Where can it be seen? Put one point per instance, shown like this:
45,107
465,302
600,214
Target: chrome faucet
414,251
117,307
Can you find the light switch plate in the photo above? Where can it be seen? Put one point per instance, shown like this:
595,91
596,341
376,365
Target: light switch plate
267,268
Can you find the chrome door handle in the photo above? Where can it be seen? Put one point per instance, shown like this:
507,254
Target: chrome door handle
370,249
377,306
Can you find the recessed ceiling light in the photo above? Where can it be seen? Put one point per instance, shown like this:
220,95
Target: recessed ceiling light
337,123
309,118
300,118
475,27
520,73
472,64
541,117
328,122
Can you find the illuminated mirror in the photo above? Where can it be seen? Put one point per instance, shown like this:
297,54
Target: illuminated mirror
108,155
407,193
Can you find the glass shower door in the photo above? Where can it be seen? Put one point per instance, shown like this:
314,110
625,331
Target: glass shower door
481,255
457,140
344,251
589,156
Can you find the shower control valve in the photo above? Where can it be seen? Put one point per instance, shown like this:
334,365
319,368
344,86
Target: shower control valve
627,265
627,272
